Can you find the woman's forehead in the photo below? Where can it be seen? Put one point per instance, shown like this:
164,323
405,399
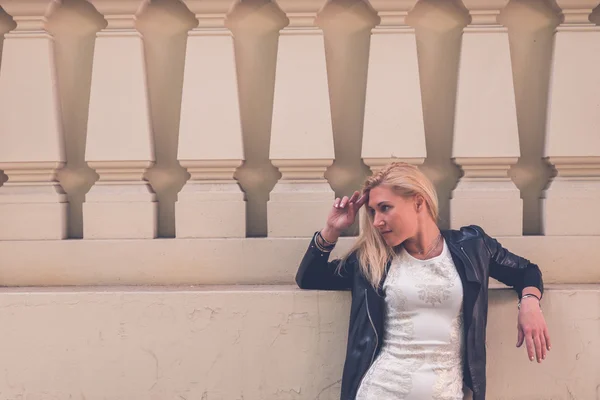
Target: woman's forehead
381,194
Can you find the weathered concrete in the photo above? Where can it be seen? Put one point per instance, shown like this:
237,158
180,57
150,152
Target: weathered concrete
563,259
255,343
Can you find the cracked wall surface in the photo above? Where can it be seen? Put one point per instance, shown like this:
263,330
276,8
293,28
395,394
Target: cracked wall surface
252,343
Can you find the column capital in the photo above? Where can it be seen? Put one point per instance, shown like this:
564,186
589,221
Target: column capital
484,12
486,167
210,14
302,169
344,15
301,13
392,13
576,12
579,167
30,15
120,14
262,15
20,172
377,164
121,171
211,170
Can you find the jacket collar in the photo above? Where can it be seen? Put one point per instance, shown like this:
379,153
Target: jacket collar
458,252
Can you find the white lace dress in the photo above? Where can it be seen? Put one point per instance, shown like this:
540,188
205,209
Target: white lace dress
421,356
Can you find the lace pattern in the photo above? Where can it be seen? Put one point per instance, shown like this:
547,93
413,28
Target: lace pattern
421,356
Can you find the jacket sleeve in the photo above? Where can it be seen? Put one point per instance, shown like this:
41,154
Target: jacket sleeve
316,272
511,269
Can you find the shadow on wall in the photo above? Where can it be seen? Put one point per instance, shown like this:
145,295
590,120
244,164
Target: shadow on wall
256,25
595,17
347,41
6,24
74,25
439,25
164,25
531,27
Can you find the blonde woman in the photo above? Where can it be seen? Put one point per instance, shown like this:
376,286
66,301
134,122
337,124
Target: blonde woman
419,295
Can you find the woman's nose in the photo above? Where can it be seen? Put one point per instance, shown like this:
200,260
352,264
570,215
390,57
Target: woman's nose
377,222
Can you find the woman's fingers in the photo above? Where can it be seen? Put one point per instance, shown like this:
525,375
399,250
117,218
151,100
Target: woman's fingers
520,337
362,200
530,346
547,338
356,200
538,346
344,202
543,345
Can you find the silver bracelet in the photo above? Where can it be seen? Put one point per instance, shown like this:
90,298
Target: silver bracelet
529,295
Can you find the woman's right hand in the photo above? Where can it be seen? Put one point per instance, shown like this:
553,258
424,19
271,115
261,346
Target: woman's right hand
342,215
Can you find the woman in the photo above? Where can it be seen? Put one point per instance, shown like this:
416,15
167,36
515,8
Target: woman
419,295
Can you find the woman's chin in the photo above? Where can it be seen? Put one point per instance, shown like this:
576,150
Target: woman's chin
391,240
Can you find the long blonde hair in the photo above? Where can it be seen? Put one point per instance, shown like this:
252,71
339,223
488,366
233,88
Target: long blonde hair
372,252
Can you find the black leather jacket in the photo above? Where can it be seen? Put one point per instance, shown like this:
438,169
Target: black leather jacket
476,256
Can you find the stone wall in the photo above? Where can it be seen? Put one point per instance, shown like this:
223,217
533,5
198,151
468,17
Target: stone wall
163,164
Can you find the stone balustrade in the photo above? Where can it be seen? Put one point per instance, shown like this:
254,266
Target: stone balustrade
192,147
212,138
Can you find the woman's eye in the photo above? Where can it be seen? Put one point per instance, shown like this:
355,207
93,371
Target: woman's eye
384,208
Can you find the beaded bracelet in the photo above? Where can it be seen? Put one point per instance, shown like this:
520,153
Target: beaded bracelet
322,244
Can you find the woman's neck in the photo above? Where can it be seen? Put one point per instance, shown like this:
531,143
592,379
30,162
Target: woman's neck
426,243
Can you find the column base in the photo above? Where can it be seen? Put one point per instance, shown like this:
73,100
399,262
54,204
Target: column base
495,206
33,211
570,207
120,211
298,209
210,210
120,220
33,221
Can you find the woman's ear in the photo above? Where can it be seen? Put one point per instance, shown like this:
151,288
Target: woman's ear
419,202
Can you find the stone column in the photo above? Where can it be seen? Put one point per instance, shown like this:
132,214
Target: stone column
33,205
212,203
301,135
393,128
119,143
571,201
486,140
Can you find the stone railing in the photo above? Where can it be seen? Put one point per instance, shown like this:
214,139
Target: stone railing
201,142
137,119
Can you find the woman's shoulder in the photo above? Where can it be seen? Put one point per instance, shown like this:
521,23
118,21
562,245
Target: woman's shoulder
466,233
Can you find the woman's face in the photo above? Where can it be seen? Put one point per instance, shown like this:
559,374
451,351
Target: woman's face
395,217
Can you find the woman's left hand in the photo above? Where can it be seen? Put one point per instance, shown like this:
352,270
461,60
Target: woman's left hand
532,329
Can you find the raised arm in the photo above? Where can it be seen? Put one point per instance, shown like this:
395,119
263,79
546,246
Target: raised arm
316,271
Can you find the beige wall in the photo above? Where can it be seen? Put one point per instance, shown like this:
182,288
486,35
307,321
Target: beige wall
163,163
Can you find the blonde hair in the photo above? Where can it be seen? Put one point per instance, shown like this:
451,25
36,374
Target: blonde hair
372,252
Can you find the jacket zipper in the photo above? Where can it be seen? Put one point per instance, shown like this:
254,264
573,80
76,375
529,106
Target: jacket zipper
470,263
477,276
376,340
373,326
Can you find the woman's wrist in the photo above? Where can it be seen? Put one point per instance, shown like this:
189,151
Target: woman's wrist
330,234
529,299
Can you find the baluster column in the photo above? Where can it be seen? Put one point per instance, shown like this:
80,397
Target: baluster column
119,143
393,128
486,140
301,135
570,203
33,205
211,204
